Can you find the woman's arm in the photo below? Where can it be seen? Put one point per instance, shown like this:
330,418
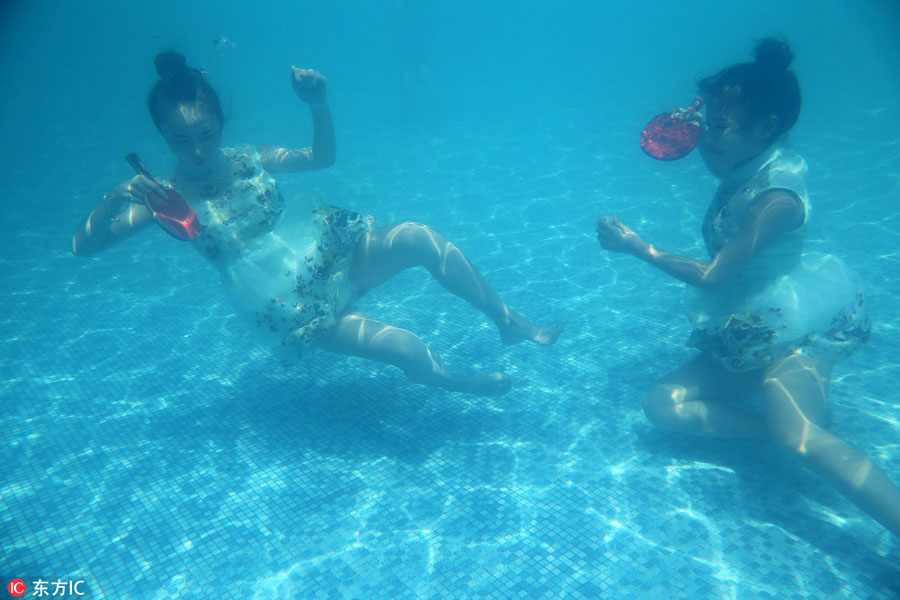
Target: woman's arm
310,86
773,213
119,215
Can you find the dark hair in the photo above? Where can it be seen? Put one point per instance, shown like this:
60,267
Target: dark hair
763,87
179,84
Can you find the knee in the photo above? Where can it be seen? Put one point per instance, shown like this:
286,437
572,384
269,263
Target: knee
410,232
406,351
661,405
413,226
416,235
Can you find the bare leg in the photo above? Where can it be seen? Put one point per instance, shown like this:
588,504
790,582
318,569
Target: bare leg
386,251
795,389
357,335
693,399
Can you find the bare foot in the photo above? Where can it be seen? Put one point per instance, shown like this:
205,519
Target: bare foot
517,329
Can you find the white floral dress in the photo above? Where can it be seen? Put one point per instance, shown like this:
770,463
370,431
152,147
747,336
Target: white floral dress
284,265
785,300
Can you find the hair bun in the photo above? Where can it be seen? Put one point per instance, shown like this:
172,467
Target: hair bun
171,64
773,54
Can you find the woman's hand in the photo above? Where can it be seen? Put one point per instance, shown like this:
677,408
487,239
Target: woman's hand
309,85
616,237
135,190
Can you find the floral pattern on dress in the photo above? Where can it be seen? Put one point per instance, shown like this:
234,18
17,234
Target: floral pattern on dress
752,341
316,291
317,300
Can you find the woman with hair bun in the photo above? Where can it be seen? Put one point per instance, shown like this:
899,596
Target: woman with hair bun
769,318
294,270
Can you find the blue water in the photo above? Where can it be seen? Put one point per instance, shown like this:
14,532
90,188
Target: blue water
152,450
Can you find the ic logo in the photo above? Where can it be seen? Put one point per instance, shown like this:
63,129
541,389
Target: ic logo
16,587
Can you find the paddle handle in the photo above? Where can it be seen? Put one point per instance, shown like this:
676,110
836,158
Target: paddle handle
138,165
695,106
141,169
169,209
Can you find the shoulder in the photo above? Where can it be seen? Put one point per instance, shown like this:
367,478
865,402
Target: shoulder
788,162
786,182
788,171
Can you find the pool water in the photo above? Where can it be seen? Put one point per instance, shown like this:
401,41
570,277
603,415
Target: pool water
153,450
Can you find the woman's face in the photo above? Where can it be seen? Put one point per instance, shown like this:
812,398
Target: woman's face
194,136
730,140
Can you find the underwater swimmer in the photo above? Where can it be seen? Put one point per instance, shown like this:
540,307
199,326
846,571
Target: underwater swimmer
295,273
768,317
